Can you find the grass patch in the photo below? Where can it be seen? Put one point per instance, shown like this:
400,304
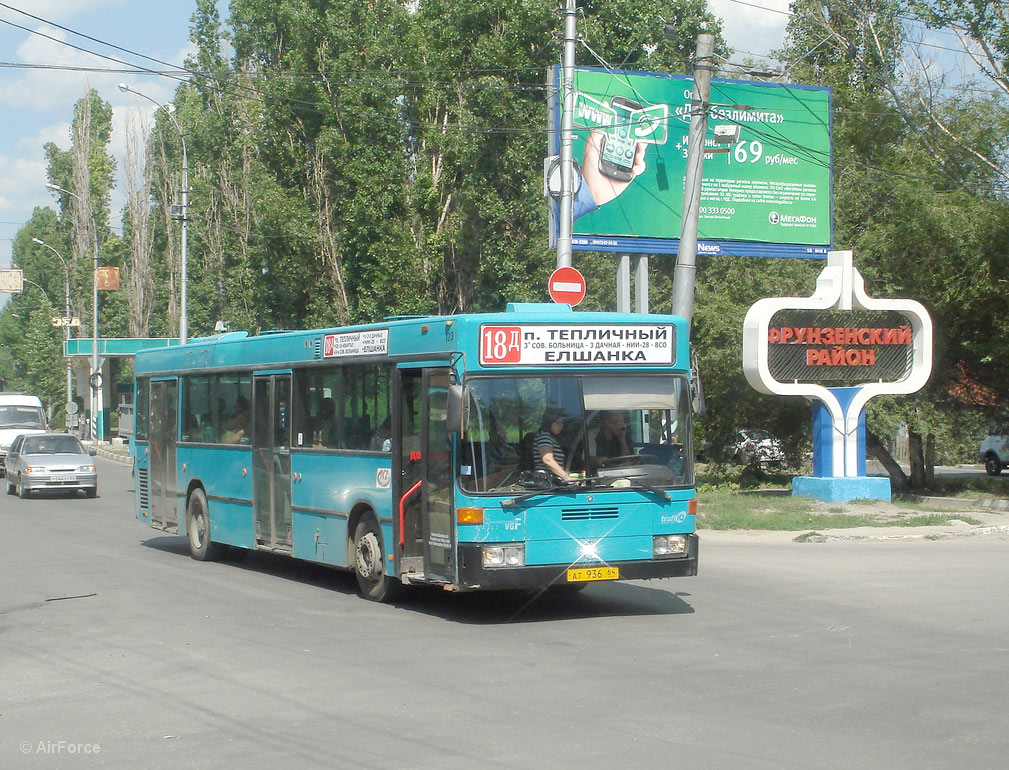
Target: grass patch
722,509
780,520
933,520
958,486
805,537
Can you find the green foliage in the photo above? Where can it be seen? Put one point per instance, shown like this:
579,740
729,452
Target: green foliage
917,202
352,160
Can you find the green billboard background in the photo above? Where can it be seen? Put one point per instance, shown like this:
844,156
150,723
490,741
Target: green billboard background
768,195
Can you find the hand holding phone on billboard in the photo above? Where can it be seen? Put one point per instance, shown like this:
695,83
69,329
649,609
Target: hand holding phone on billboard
616,159
605,187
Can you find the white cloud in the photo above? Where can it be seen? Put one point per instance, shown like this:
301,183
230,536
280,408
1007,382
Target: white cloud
43,90
58,133
61,10
26,176
748,28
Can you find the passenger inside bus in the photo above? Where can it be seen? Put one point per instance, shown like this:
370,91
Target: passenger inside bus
327,434
611,441
235,432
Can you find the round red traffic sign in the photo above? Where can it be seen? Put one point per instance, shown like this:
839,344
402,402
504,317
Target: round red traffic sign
566,285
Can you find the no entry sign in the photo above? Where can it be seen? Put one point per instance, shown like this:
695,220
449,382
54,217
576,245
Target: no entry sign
566,286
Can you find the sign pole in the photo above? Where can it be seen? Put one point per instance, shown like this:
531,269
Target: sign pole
566,218
686,258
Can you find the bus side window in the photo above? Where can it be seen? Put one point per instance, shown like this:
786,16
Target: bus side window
197,424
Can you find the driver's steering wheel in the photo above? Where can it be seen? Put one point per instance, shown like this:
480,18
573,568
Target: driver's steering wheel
627,460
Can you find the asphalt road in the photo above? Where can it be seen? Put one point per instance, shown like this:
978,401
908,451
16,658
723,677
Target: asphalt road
779,655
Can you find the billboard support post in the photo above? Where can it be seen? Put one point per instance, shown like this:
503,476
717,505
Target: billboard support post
686,257
566,218
623,283
641,283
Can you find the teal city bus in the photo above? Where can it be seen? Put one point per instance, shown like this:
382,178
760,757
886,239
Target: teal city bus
413,451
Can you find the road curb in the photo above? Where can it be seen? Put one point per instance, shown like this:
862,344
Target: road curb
944,535
988,504
108,454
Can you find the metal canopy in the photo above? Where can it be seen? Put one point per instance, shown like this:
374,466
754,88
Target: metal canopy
115,347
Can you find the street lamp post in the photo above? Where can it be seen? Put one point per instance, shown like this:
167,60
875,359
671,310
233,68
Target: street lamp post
183,311
66,329
97,421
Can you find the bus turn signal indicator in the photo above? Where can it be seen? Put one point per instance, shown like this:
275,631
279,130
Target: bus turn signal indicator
469,515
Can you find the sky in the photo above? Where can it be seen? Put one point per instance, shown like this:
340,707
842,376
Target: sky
37,104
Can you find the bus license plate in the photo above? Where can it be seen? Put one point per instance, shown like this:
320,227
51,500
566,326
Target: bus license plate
585,574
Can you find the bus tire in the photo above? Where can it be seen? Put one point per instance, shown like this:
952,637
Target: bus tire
369,563
198,527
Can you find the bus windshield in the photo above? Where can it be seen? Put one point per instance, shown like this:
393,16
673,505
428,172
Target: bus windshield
617,431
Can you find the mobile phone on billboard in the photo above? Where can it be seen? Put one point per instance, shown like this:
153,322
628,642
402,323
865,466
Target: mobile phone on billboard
616,156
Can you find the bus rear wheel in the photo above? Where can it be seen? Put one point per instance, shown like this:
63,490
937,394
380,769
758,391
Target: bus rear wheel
198,527
369,563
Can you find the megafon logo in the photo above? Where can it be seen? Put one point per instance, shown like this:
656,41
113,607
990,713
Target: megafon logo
790,219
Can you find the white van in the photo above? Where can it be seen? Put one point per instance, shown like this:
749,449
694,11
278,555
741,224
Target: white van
19,413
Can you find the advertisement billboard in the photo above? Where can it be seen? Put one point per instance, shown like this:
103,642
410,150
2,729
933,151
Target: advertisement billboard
768,193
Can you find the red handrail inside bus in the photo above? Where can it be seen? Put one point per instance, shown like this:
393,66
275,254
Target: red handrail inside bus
402,511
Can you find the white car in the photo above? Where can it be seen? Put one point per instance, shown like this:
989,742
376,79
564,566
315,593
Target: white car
20,414
756,446
994,451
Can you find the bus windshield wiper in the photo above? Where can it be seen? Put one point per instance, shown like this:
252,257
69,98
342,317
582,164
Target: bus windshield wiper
644,487
648,488
548,490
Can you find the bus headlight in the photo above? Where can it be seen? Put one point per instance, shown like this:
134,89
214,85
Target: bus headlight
665,546
504,556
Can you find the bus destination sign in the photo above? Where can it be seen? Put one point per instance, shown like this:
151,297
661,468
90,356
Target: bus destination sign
586,345
373,342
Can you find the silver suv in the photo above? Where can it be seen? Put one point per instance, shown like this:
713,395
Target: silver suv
994,452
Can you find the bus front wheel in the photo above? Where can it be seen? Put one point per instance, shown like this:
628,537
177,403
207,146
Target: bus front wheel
369,563
198,527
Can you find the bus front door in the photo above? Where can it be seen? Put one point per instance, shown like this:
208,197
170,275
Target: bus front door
271,460
426,527
161,453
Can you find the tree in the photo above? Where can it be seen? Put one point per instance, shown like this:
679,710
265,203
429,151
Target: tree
916,196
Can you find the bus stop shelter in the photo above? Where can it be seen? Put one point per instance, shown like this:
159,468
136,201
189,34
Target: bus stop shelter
79,352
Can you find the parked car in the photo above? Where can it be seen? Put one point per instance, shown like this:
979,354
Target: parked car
994,451
19,414
53,461
755,446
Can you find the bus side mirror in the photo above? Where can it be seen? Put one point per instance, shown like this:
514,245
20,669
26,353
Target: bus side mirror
697,403
457,409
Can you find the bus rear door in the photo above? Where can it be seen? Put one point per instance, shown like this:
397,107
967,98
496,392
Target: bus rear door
161,454
271,460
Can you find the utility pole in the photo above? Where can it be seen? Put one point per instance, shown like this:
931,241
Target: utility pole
66,326
565,219
686,258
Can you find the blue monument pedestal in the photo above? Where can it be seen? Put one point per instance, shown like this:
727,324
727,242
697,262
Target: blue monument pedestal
842,489
838,489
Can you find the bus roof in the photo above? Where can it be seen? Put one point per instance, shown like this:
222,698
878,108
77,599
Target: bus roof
417,338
